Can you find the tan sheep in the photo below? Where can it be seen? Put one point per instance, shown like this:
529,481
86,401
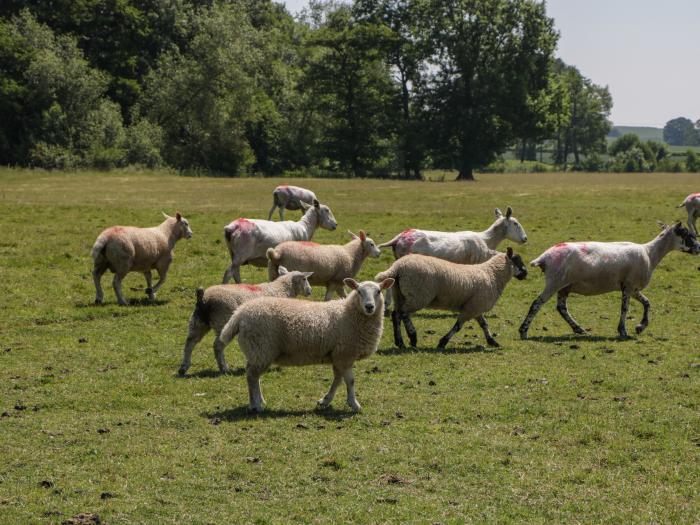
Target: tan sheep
329,263
216,304
429,282
295,333
124,249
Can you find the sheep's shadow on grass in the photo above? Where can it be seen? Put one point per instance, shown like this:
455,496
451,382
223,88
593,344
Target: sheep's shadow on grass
576,338
144,301
242,413
211,373
450,350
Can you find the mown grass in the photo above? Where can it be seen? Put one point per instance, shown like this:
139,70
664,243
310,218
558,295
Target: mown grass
559,428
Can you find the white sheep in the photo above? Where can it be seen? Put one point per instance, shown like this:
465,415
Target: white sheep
593,268
249,239
329,263
692,206
216,305
465,247
428,282
124,249
294,332
289,197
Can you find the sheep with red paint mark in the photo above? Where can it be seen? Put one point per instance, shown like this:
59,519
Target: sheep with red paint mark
124,249
249,239
470,290
331,264
290,198
290,332
594,268
692,206
217,304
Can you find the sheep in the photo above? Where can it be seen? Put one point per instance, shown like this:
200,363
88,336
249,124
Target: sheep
330,264
428,282
216,304
249,239
692,206
465,247
289,197
124,249
297,333
594,268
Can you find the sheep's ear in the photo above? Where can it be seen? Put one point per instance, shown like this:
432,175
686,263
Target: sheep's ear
661,225
307,274
282,270
351,283
363,236
498,213
178,216
387,283
352,235
165,215
304,205
509,252
316,203
509,212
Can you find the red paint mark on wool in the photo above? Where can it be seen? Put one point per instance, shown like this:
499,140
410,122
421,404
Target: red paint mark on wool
560,245
243,225
584,248
308,243
250,287
114,231
408,238
692,196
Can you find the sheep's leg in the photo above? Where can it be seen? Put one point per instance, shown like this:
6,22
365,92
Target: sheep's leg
410,329
341,291
219,355
692,222
534,308
350,384
487,333
97,273
162,275
197,330
117,285
149,285
621,328
456,328
645,319
396,324
269,215
562,296
326,400
282,213
387,302
256,400
329,292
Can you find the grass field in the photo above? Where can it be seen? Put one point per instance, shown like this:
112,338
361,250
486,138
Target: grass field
559,428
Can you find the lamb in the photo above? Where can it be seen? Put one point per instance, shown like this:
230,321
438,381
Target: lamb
289,197
692,206
330,264
594,268
429,282
216,304
249,239
297,333
465,247
124,249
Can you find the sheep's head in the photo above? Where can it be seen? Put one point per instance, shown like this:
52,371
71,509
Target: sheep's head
369,247
369,294
300,280
323,214
182,226
513,229
519,269
685,240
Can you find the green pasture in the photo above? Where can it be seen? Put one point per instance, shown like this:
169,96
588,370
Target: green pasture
556,429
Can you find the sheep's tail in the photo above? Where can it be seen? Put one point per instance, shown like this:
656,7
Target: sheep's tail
539,262
391,272
201,311
392,242
228,232
99,246
230,330
681,205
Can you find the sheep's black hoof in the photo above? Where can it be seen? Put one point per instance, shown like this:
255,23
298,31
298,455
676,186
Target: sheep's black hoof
523,334
579,330
639,328
399,344
493,343
149,291
182,372
623,336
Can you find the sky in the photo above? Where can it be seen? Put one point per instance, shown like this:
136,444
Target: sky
646,51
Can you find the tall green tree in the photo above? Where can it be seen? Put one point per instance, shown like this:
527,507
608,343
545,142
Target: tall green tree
681,132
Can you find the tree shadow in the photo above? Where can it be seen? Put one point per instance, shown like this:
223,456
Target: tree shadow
212,372
451,350
242,413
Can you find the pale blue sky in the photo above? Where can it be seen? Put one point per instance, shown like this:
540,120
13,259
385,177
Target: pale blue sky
646,51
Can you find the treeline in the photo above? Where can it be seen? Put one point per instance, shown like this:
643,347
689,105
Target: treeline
368,88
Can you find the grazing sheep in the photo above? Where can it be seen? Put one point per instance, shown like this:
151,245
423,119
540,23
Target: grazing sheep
216,305
249,239
289,197
330,263
593,268
465,247
124,249
692,206
293,332
429,282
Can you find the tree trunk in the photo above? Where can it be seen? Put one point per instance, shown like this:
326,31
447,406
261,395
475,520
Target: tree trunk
466,170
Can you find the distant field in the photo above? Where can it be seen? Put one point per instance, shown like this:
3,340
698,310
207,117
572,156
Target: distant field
556,429
643,132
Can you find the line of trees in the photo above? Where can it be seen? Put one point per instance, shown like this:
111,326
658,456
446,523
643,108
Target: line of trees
368,88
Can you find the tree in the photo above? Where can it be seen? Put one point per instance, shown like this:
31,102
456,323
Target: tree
488,58
681,132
